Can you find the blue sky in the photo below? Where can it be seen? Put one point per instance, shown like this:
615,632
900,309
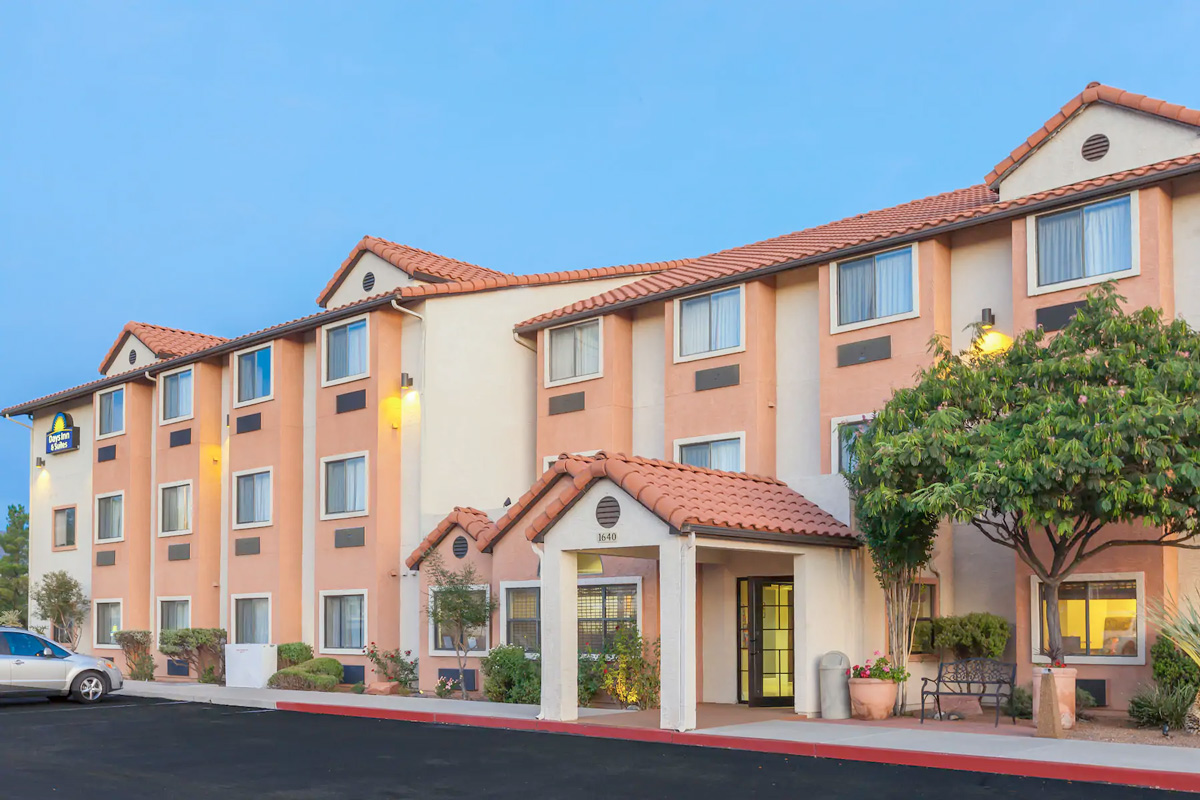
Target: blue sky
207,166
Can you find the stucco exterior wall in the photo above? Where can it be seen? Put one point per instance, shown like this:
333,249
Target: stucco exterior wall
798,373
980,277
1185,229
143,357
387,278
648,366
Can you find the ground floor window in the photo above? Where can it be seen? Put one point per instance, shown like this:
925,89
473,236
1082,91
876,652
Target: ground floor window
924,603
174,615
474,639
603,610
252,620
523,607
345,621
1097,617
62,635
108,622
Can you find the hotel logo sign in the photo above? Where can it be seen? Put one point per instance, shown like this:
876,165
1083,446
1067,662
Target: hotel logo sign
63,436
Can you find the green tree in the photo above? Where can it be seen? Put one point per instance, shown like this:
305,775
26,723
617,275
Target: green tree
59,599
457,607
14,564
1042,446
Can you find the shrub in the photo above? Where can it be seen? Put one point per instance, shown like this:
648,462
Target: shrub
591,676
510,677
445,687
1155,706
394,665
209,675
1172,667
978,635
631,674
302,680
202,648
330,667
358,688
11,618
136,647
293,653
1084,702
1020,705
922,637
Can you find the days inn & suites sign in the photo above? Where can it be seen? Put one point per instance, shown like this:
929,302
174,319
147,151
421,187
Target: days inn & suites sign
63,436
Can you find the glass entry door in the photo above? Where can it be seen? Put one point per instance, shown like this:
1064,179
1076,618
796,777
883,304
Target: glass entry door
765,670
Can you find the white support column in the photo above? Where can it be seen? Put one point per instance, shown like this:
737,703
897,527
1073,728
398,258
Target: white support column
677,612
560,636
806,703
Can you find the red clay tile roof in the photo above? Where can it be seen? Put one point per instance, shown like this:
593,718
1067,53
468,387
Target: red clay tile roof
471,520
1094,93
163,342
973,203
678,494
419,264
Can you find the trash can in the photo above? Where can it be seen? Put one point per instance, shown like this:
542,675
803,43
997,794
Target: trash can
835,686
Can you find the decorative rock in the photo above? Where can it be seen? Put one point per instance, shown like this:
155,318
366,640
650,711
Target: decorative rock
383,687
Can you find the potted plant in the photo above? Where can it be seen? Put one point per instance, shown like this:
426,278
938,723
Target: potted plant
873,687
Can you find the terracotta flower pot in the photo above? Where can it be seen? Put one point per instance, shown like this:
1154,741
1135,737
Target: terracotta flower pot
871,698
1064,685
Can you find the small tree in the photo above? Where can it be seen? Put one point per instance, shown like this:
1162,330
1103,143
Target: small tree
59,599
1181,625
457,606
1043,446
14,563
202,648
135,646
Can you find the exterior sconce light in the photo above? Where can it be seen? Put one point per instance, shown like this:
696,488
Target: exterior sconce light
40,463
988,319
406,380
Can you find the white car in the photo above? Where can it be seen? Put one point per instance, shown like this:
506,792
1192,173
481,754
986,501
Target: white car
33,666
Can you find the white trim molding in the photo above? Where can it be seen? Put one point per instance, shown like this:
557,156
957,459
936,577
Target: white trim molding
96,602
591,376
342,651
237,373
233,598
1034,289
366,456
834,268
835,445
487,634
233,492
678,444
324,340
190,508
677,358
1035,620
96,519
161,397
96,411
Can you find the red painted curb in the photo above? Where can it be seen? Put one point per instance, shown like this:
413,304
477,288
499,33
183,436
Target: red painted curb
1083,773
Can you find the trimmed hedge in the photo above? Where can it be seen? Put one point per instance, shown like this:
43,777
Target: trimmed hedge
294,653
978,635
323,666
303,680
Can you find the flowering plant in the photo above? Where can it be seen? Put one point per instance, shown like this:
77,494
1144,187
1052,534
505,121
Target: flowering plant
446,686
394,665
879,668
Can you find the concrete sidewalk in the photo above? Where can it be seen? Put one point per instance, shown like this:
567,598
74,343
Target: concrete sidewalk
1164,767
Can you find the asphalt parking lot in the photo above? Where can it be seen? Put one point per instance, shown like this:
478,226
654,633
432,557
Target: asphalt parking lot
135,748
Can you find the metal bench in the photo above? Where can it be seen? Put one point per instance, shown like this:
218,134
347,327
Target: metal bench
971,677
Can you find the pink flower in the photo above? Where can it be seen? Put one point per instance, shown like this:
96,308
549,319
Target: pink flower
886,668
1082,399
868,664
847,672
876,653
864,674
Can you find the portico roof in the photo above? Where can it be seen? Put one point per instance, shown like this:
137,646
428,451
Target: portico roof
689,499
474,522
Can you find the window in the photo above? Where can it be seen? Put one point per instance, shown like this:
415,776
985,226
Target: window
176,509
711,323
344,622
25,644
108,622
109,517
1085,242
574,352
174,614
177,395
64,635
922,614
1098,618
847,434
523,609
252,620
64,527
253,375
112,412
875,287
252,497
475,639
720,454
603,611
345,486
346,351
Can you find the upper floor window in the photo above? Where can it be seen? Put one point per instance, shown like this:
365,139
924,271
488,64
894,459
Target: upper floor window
574,352
177,395
345,486
875,288
1085,242
110,524
175,509
252,499
64,527
845,434
253,375
111,415
346,351
719,453
709,324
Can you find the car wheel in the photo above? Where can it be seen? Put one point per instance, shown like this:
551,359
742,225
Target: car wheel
88,688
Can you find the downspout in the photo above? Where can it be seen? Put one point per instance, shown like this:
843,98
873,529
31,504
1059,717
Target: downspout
519,339
17,421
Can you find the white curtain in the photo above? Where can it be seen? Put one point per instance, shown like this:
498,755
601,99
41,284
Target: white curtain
587,343
346,350
254,375
893,283
726,455
173,615
1059,247
112,411
253,621
694,326
110,518
694,455
254,498
855,290
356,342
175,502
178,399
108,620
726,319
344,622
562,354
346,485
1107,243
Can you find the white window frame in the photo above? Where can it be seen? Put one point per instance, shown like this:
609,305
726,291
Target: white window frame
162,397
325,352
834,267
96,603
1035,620
96,519
677,327
623,580
237,373
343,651
437,651
835,446
591,376
96,406
191,508
1034,289
678,445
548,460
241,526
158,601
233,598
366,456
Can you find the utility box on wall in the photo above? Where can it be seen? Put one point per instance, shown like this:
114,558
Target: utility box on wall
250,666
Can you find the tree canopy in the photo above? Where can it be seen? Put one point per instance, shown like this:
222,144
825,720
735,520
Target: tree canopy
14,563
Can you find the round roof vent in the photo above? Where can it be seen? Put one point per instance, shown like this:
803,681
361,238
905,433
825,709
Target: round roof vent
368,281
460,547
1095,147
133,356
608,511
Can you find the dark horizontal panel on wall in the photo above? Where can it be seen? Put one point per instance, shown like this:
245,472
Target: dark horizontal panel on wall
350,537
249,422
180,438
177,668
1096,687
1055,318
246,546
718,377
106,453
179,552
106,558
468,676
351,401
566,403
353,673
864,352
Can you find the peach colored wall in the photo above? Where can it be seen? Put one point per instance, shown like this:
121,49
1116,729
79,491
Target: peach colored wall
482,562
749,406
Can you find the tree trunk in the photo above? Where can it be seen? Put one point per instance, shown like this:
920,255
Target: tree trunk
1054,644
898,603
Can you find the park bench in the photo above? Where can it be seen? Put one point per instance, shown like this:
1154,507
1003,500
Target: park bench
971,677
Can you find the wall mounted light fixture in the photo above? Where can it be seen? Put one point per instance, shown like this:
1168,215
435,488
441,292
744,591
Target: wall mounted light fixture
406,380
40,462
988,319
